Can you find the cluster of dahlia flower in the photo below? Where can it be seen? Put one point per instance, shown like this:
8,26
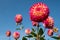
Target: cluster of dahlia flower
39,12
16,35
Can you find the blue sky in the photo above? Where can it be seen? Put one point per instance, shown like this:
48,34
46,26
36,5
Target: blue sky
9,8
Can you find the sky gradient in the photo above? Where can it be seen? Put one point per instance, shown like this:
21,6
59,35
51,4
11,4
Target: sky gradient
9,8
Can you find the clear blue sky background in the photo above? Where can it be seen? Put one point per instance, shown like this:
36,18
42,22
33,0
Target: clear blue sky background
9,8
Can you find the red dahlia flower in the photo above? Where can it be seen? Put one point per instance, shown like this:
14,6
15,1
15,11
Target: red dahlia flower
50,32
18,18
49,22
39,12
8,33
27,31
35,23
16,35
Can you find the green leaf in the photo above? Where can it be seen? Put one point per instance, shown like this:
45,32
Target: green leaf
17,28
24,38
33,29
42,38
29,36
40,31
55,37
33,34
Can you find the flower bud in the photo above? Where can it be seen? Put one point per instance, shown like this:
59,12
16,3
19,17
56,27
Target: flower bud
8,33
50,32
18,18
49,22
27,31
16,35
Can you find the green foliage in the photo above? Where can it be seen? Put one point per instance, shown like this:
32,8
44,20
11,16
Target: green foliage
20,28
29,36
17,28
42,38
40,32
24,38
55,37
33,30
33,34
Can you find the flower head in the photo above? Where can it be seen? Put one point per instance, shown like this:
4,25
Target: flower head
18,18
16,35
50,32
28,31
35,23
49,22
8,33
39,12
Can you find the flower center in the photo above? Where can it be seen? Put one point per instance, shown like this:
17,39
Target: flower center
37,9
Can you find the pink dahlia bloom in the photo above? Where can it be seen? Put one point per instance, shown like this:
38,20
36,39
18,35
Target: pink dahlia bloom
18,18
49,22
8,33
50,32
16,35
39,12
35,23
27,31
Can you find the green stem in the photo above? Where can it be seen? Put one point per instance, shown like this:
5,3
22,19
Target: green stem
37,32
16,39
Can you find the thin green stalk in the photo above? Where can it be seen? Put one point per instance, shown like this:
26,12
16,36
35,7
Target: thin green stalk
37,32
